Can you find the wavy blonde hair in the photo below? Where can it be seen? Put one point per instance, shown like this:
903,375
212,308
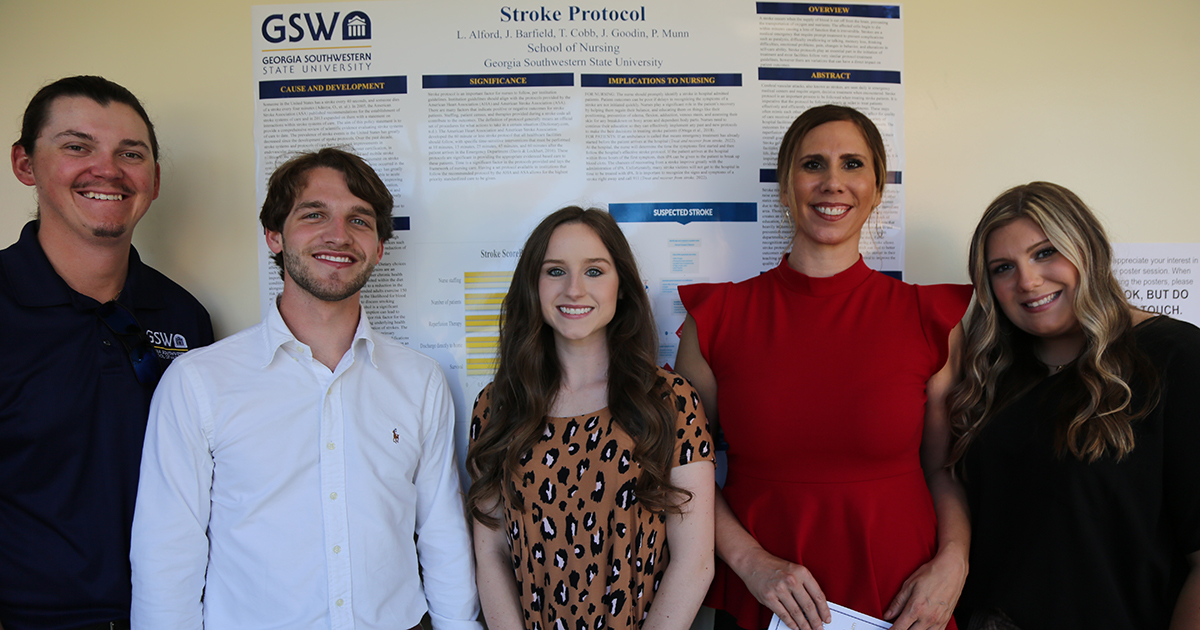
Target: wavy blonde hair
1095,418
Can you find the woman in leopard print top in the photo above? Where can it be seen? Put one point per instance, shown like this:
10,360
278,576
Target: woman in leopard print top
592,467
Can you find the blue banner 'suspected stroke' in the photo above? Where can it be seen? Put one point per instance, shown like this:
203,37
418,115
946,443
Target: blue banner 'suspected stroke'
684,213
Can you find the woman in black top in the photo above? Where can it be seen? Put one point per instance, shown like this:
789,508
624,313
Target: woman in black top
1077,426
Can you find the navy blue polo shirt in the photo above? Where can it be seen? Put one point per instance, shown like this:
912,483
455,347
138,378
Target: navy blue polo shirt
72,420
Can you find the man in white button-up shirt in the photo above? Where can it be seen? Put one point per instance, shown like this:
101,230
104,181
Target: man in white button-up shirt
287,468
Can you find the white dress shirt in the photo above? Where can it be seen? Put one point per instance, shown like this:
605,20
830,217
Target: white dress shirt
277,494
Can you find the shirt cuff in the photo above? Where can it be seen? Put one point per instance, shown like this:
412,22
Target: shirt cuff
444,623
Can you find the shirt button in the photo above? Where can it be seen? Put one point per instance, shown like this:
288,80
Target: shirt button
333,496
330,446
337,549
339,602
106,342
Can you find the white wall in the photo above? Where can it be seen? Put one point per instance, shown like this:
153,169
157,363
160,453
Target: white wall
1102,97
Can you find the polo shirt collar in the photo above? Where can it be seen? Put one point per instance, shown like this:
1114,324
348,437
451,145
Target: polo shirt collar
276,335
30,274
139,289
35,283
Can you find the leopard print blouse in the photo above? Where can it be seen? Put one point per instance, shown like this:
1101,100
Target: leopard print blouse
585,553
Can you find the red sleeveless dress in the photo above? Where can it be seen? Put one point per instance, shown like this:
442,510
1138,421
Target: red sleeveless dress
821,393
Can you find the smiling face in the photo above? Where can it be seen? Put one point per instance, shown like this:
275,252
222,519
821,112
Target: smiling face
578,285
1033,282
329,240
832,187
94,171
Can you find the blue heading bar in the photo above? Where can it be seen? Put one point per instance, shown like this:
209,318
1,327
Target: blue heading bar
660,80
357,86
828,76
439,81
768,176
684,213
833,10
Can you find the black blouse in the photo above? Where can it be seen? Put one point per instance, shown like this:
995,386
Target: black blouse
1059,543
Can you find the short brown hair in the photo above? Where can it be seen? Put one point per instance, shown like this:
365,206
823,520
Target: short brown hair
289,180
99,89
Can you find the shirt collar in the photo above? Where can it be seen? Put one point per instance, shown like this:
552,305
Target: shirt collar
276,335
841,282
138,290
29,273
36,284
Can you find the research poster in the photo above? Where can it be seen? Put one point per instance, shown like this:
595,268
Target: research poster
483,117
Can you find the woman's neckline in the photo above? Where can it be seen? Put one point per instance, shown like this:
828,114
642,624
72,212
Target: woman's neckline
1055,370
840,282
579,415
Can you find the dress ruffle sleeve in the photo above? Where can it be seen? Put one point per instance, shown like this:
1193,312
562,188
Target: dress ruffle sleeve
706,304
942,307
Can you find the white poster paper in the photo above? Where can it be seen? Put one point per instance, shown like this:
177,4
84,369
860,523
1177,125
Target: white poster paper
1160,277
482,118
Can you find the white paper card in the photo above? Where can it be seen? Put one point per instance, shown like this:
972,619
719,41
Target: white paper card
843,619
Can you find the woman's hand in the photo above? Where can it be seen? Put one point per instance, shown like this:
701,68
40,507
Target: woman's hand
788,589
927,598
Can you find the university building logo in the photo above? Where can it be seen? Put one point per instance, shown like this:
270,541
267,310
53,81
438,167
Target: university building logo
357,25
167,345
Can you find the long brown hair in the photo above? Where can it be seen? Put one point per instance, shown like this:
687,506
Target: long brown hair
529,376
999,366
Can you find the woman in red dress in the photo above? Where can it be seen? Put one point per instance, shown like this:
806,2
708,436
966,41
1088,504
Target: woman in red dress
828,379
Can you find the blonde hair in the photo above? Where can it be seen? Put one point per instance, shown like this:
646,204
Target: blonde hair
1095,418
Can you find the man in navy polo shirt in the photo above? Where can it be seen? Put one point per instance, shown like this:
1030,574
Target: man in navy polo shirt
87,329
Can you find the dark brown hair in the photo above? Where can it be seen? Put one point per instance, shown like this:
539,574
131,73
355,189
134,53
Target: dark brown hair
289,180
529,376
98,89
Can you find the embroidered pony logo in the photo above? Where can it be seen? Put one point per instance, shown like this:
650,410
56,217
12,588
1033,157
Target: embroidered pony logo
395,436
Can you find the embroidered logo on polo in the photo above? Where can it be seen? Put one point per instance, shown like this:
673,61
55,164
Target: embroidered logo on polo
167,345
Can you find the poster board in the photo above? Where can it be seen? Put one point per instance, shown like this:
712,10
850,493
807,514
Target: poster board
482,118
